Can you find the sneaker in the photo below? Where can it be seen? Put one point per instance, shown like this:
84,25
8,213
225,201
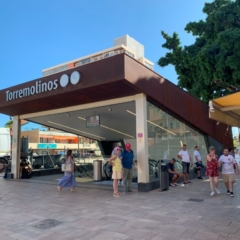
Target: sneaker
231,194
124,192
228,192
218,192
172,184
200,178
130,191
212,194
176,184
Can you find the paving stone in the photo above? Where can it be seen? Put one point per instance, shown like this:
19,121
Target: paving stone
206,236
95,214
226,229
189,233
142,233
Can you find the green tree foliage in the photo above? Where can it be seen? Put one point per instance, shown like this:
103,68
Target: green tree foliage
210,67
235,141
9,124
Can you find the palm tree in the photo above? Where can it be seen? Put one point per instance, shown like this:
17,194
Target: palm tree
9,124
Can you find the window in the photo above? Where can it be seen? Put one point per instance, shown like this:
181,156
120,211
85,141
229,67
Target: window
43,140
169,135
148,65
129,54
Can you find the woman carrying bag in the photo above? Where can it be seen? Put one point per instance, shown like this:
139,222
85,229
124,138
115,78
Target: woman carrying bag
68,180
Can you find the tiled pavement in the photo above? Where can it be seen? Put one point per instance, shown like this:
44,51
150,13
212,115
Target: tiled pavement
96,214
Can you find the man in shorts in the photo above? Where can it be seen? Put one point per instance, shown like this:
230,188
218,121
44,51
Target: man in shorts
198,162
229,166
186,160
174,176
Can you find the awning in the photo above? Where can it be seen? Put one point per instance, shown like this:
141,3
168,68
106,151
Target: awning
65,137
226,109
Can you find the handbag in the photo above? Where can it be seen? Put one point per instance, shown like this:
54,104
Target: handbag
67,167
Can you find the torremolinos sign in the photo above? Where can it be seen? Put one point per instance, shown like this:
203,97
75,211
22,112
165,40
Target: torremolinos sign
40,87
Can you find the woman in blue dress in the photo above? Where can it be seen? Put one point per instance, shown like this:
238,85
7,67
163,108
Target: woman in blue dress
68,180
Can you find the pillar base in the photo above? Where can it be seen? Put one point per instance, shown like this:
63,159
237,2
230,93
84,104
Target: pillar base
10,175
146,187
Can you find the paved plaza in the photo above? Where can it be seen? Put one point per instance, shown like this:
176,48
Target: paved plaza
34,209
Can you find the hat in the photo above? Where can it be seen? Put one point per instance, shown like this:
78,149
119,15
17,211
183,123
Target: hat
116,148
128,145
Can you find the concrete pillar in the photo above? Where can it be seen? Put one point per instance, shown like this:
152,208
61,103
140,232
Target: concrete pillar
16,146
142,138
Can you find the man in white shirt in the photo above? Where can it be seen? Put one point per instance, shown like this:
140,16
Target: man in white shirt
186,160
198,162
229,165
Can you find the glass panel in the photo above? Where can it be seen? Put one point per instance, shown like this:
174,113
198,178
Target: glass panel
166,135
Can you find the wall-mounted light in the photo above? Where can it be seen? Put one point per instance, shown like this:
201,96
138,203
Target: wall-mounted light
109,109
68,115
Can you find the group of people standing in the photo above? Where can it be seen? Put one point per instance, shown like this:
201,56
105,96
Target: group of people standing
122,168
226,161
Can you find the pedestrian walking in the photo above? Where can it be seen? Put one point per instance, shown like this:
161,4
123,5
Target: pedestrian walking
116,170
186,160
127,156
212,170
229,170
68,180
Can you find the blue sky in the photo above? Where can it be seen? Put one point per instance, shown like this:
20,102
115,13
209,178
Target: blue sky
41,33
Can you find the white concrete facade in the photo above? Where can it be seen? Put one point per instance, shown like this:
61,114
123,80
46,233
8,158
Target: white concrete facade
142,138
124,44
16,146
132,44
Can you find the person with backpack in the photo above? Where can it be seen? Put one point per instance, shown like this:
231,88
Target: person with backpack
127,156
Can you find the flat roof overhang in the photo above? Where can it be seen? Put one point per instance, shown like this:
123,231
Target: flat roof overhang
226,109
101,80
116,77
115,124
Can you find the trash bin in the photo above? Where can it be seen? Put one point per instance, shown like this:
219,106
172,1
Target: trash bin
164,175
97,170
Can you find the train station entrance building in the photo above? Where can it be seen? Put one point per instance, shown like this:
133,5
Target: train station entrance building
115,99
